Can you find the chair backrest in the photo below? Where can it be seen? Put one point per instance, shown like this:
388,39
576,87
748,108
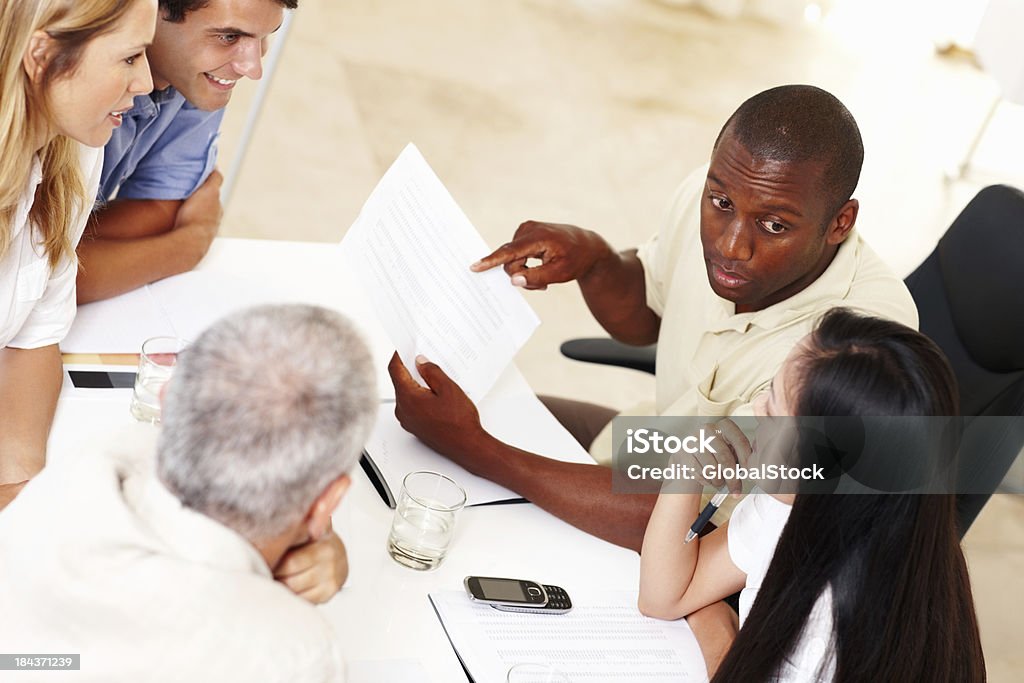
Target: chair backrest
969,297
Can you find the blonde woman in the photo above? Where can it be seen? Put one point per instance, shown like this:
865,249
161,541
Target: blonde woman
68,69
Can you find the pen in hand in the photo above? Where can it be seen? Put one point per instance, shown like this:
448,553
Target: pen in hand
706,514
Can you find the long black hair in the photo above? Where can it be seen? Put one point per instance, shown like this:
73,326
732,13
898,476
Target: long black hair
901,599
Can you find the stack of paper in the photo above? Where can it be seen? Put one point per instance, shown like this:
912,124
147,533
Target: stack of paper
604,639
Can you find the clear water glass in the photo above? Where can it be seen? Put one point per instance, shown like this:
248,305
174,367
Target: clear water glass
156,364
424,521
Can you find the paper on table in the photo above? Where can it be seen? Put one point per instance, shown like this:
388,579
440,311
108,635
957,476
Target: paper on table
603,638
411,248
117,325
182,306
395,452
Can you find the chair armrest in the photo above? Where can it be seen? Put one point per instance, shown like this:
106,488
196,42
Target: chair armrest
607,351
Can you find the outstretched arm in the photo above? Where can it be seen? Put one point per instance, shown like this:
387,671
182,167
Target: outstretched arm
612,282
442,417
577,493
135,242
30,382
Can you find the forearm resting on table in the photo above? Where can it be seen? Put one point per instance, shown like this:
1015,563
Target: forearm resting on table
677,578
715,628
123,219
30,381
111,267
580,494
615,292
135,242
667,565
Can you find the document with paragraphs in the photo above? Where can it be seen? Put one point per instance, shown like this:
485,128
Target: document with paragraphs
411,248
603,639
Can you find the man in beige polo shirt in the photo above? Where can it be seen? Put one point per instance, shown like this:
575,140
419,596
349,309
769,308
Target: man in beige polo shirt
755,247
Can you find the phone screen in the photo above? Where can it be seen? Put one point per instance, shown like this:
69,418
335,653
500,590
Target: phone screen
96,379
502,589
507,591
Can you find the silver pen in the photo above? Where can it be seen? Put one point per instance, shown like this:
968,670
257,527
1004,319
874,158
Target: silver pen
706,514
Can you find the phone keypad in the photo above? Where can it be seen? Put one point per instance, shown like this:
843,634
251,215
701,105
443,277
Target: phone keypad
557,598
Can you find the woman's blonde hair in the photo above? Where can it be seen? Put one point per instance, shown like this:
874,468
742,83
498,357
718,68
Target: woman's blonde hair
25,116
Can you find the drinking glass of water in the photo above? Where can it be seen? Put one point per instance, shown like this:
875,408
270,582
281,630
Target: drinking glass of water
424,519
156,362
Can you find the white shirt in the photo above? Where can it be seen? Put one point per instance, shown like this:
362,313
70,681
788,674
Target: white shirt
753,532
37,303
98,558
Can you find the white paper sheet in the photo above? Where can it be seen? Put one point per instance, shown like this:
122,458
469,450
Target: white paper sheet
182,306
117,325
411,247
517,418
604,639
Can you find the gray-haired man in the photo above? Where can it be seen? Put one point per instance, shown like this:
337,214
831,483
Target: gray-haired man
162,568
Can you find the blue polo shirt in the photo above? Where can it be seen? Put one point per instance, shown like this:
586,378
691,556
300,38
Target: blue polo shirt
164,149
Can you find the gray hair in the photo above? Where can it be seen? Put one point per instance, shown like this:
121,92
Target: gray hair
265,409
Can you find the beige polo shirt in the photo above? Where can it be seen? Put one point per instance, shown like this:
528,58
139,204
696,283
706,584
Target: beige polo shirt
713,361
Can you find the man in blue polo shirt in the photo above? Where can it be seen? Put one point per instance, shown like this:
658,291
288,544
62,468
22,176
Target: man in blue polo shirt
158,206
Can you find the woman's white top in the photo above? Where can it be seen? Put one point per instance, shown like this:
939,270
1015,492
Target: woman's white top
753,533
37,303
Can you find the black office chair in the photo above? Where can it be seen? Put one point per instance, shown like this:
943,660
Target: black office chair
970,301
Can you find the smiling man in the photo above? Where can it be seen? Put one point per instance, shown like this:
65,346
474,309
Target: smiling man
159,199
755,247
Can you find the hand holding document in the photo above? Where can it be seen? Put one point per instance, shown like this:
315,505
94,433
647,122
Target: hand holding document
412,247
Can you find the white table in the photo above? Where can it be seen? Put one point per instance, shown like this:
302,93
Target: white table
383,611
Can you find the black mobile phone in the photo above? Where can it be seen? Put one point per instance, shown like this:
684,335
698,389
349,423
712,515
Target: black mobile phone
99,379
518,595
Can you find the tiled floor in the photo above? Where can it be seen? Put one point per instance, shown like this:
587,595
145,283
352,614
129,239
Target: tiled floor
589,112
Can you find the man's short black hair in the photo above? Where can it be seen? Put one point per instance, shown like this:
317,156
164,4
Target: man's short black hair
796,123
175,10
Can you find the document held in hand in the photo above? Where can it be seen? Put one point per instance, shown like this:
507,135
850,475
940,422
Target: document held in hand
411,247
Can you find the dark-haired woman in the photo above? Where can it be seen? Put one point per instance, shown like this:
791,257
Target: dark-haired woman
869,587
